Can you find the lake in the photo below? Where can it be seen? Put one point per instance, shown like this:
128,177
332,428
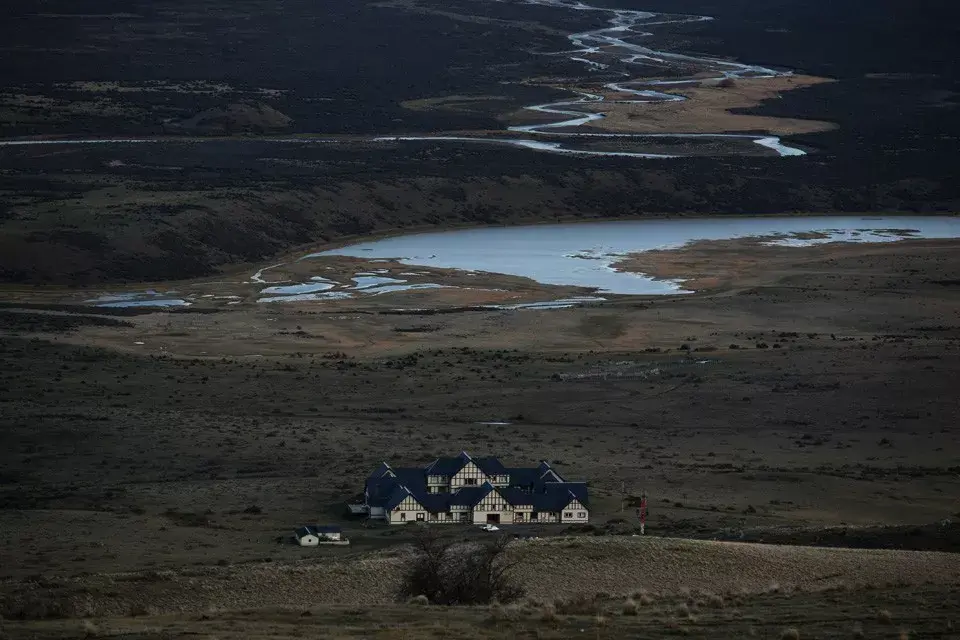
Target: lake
581,254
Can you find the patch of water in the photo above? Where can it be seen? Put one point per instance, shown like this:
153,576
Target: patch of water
553,254
367,281
565,303
298,288
148,298
157,302
327,295
392,288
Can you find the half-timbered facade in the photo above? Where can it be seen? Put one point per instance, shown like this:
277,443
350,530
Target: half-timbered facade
463,490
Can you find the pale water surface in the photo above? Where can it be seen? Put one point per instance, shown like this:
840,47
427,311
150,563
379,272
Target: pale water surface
581,254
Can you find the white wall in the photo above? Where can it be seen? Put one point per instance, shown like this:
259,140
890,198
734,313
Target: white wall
576,510
480,517
309,541
396,517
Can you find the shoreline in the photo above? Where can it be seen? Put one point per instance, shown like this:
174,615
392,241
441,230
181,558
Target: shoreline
294,254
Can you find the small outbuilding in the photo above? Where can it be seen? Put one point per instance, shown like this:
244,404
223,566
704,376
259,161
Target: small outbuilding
313,535
328,532
306,537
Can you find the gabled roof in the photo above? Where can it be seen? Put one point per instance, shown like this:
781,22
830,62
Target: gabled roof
379,490
448,466
515,496
399,495
491,466
382,470
555,496
471,496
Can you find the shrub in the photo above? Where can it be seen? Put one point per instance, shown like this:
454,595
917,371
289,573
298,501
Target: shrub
548,613
460,574
630,607
726,83
715,601
499,613
790,634
884,617
420,600
89,629
580,604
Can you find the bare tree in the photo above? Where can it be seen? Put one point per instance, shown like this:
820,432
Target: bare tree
451,573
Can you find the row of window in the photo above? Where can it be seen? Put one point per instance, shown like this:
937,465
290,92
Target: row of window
518,516
434,517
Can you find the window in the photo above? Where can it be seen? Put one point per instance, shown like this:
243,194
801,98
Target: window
568,514
470,481
420,516
581,514
534,515
403,515
448,516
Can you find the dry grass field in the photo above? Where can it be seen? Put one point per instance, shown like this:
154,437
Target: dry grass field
805,397
925,612
641,586
793,421
709,108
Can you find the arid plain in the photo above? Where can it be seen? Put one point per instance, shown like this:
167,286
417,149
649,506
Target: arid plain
793,421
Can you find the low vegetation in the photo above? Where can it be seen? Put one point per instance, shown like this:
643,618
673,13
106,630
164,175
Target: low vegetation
449,572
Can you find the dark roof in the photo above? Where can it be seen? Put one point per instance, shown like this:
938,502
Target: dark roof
398,495
490,466
515,496
523,476
555,496
539,486
379,490
317,530
534,478
470,496
326,528
448,466
382,468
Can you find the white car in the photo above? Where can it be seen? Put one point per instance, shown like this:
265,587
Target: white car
490,527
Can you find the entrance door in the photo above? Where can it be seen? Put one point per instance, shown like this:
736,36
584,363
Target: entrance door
493,518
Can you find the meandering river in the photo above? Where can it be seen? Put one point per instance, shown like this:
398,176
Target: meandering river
613,49
609,51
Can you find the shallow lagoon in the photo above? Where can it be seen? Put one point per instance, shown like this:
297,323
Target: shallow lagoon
581,254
